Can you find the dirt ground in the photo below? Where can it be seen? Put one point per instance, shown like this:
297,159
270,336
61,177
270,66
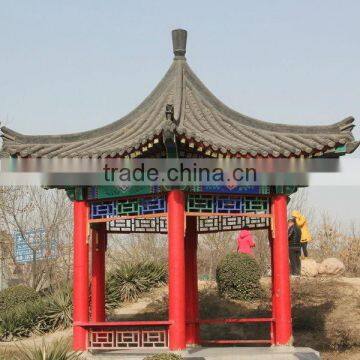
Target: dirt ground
326,315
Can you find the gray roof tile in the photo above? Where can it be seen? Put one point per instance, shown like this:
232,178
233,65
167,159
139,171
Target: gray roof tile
198,115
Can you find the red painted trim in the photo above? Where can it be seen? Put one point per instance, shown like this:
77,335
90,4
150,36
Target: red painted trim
81,274
191,280
192,214
138,232
234,214
271,243
143,216
227,230
93,324
232,321
140,196
232,195
98,248
224,342
176,248
281,278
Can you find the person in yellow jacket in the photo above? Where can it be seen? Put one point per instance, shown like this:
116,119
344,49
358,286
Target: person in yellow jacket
305,233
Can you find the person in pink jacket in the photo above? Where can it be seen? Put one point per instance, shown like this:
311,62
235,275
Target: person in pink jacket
245,242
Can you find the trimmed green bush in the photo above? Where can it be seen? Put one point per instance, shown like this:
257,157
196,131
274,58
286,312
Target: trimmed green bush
238,277
164,356
129,281
15,295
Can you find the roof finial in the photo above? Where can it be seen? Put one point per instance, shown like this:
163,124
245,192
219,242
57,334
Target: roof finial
179,42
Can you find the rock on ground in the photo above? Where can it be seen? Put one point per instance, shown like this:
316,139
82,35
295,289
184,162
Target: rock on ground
309,267
331,266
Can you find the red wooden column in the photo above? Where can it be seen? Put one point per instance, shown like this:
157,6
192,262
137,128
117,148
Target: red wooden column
176,213
191,282
81,275
282,296
271,242
99,238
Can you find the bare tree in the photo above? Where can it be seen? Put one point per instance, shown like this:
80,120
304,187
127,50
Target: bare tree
137,248
28,210
350,253
327,237
212,248
262,250
300,201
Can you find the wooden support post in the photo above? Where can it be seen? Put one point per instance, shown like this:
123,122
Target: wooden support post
282,295
99,239
191,281
176,213
271,245
80,275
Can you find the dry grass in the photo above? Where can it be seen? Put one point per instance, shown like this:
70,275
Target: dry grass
326,315
352,354
8,350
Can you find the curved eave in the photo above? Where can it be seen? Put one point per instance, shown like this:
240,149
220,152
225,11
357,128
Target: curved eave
127,135
198,87
208,123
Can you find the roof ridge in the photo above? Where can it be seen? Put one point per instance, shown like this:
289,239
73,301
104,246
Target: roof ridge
179,89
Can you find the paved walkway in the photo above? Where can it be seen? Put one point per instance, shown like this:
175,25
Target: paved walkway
225,353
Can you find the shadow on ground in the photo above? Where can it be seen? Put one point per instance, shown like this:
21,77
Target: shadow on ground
322,313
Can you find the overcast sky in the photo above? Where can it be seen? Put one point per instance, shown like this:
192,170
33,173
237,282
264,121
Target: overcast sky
69,66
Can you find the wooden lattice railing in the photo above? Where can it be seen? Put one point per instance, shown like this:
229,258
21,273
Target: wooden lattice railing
270,340
127,334
154,334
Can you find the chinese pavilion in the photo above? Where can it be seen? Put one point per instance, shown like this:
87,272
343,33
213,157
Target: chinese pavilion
180,118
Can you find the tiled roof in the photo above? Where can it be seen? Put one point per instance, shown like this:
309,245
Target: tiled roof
183,105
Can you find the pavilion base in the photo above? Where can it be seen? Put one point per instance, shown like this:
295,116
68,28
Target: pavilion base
217,353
